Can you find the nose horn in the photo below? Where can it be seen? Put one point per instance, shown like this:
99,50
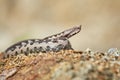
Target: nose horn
66,33
71,32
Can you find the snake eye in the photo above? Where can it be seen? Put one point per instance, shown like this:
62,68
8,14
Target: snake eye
12,49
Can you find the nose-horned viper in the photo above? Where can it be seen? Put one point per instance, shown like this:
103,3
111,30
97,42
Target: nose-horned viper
53,43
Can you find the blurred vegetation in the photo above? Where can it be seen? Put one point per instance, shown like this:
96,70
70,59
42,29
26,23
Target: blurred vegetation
23,19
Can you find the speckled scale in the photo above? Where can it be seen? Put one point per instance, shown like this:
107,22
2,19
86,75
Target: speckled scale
53,43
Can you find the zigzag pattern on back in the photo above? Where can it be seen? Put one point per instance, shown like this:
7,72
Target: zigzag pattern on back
53,43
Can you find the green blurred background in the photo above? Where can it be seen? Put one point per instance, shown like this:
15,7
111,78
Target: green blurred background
25,19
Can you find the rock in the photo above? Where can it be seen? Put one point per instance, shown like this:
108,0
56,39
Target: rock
63,65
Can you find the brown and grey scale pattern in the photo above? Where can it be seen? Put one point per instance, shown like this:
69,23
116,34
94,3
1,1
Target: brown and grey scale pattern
53,43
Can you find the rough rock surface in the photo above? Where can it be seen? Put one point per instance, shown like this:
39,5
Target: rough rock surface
63,65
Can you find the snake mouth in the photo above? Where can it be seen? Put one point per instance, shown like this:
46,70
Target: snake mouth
67,33
71,32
